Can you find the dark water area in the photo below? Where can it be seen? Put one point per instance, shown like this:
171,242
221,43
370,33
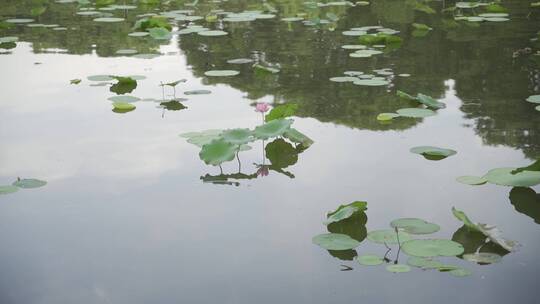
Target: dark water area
132,213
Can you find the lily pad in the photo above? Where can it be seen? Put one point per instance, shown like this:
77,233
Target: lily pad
29,183
217,152
109,19
335,241
237,136
100,78
212,33
388,236
433,153
387,116
482,257
197,92
423,263
430,101
160,33
398,268
533,98
281,111
415,226
240,61
273,128
471,180
123,106
506,177
19,20
369,260
371,82
343,79
221,73
432,248
124,98
298,137
7,189
202,138
460,272
415,112
345,211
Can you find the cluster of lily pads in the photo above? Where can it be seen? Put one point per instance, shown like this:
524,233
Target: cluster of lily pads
422,252
25,183
429,105
508,176
465,11
220,146
381,77
534,99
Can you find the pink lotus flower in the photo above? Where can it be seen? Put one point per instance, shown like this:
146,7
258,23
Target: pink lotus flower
262,107
263,171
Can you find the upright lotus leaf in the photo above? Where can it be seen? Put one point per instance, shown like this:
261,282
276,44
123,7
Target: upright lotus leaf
273,128
432,248
388,236
281,153
297,137
7,189
405,95
335,241
491,232
345,211
281,111
124,85
430,102
526,201
203,137
433,153
353,226
415,226
532,167
237,136
507,177
217,152
29,183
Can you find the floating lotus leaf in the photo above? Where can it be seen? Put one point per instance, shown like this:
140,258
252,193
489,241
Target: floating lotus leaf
109,19
203,137
6,189
398,268
197,92
265,69
369,260
388,236
430,101
415,112
496,19
237,136
138,34
471,180
482,257
371,82
423,263
124,98
212,33
354,47
8,39
335,241
100,78
506,177
432,248
460,272
387,116
217,152
273,128
281,111
354,33
221,73
240,61
19,20
298,137
433,153
533,98
343,79
537,108
29,183
292,19
160,33
415,226
123,106
345,211
126,52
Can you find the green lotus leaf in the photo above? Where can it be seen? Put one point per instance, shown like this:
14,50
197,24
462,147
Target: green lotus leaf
430,101
124,98
173,105
237,136
369,260
6,189
433,153
281,111
387,116
423,263
123,106
298,137
345,211
505,177
217,152
273,128
415,226
482,257
388,236
460,272
432,248
109,19
29,183
212,33
471,180
221,73
197,92
160,33
335,241
526,201
415,112
405,95
240,61
202,138
398,268
281,153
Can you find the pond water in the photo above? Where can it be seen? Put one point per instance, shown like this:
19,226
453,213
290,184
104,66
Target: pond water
132,213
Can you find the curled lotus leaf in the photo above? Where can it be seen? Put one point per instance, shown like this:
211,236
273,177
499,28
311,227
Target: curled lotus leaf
6,189
433,153
298,137
345,211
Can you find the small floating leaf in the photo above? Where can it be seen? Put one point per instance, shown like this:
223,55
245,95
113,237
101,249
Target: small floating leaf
506,177
388,236
415,112
212,33
221,73
335,241
240,61
29,183
533,98
123,106
75,81
197,92
124,98
398,268
471,180
369,260
415,226
100,78
108,19
432,248
387,116
433,153
423,263
6,189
